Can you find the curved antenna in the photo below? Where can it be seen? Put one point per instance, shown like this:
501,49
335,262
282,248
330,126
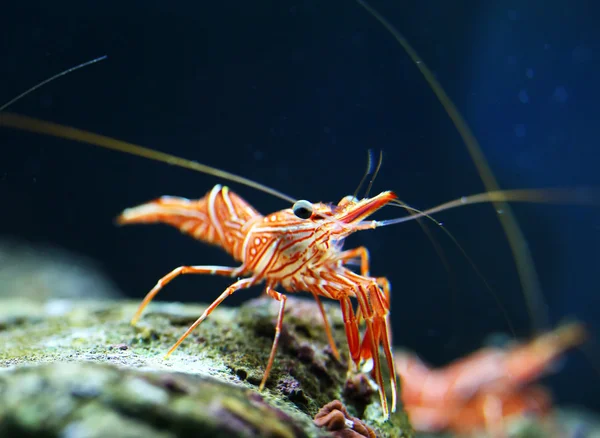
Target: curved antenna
375,173
367,172
521,253
50,79
30,124
413,211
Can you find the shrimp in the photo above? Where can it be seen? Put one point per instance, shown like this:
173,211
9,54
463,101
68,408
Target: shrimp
486,389
296,249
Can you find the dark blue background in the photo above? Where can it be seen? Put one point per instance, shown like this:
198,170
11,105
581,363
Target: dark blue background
292,94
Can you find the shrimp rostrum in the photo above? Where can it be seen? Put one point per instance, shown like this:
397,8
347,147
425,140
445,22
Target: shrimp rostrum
296,249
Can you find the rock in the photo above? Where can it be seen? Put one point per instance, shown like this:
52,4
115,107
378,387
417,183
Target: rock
43,272
78,369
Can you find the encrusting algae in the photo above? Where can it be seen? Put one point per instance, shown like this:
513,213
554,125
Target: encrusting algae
79,369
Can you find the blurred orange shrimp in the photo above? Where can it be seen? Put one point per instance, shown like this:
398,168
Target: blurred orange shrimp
485,390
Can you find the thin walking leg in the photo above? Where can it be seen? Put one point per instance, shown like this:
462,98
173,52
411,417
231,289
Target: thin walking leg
282,299
210,270
240,284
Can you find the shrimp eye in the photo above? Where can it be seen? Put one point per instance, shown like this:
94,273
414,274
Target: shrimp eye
303,209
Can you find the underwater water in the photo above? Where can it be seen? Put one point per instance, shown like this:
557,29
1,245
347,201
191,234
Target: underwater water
292,94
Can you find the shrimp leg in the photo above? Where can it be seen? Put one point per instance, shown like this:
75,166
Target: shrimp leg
240,284
210,270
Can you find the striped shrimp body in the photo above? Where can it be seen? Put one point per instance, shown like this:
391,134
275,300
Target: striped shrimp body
296,249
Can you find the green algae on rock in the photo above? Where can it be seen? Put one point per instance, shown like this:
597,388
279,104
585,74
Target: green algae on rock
78,369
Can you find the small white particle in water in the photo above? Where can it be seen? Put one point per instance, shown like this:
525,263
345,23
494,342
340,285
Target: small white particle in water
560,94
523,96
529,73
463,200
520,130
500,211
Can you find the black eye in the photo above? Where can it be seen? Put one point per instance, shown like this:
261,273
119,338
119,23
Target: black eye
303,209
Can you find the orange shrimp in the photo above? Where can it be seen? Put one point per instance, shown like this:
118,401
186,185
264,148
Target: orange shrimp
297,249
483,390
